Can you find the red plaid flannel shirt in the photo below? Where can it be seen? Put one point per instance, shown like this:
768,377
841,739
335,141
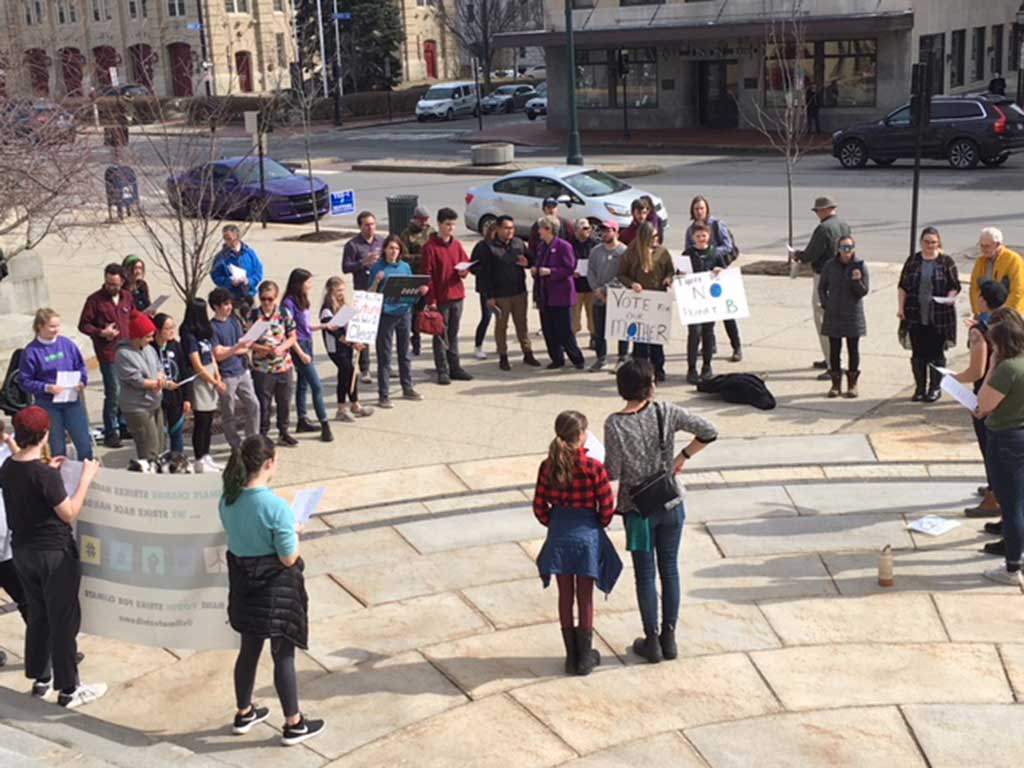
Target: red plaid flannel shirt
590,489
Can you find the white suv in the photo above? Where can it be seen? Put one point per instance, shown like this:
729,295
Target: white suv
446,101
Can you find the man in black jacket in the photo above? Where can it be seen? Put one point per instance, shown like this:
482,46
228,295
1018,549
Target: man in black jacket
501,278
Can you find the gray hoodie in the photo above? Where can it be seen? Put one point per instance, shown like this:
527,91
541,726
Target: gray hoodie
132,366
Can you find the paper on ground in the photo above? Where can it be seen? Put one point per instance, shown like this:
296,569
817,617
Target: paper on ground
933,525
255,333
70,381
960,392
594,447
306,503
343,315
462,266
237,273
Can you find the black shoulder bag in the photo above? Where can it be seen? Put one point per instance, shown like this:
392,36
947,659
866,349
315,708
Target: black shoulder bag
656,491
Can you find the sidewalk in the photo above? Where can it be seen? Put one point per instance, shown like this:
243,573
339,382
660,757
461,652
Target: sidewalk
461,168
234,131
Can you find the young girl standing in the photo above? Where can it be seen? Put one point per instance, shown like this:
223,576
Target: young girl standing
341,351
197,339
574,500
296,301
176,403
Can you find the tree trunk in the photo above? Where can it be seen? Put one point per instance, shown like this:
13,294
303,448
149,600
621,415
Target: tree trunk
789,198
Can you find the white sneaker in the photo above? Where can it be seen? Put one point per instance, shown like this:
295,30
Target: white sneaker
209,465
84,694
1002,576
479,354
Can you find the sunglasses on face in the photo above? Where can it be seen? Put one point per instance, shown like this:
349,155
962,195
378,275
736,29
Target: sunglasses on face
845,248
267,298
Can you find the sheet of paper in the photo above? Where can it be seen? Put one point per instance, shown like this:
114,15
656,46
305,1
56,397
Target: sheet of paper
343,315
189,380
158,302
71,474
960,392
462,266
582,267
683,264
69,380
944,299
594,447
236,273
933,525
255,333
944,371
5,453
306,503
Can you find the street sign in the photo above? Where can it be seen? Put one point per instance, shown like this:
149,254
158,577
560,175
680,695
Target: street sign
341,16
193,26
343,202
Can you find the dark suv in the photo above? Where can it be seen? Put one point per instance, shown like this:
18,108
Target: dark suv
964,130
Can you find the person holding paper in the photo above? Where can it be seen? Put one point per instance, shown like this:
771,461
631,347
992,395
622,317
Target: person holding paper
928,326
271,361
446,294
1001,404
296,301
394,328
53,371
266,588
704,257
556,294
237,269
583,242
142,385
360,253
135,281
842,286
40,514
647,266
341,351
231,352
602,273
197,339
725,248
177,402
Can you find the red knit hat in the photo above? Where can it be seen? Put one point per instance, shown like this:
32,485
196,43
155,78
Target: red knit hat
140,326
32,419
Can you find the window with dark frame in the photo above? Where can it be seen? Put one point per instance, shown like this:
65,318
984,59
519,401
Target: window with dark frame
1016,37
958,42
997,49
843,71
934,46
282,51
978,54
599,83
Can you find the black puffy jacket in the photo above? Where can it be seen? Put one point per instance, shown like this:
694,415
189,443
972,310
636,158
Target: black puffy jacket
266,599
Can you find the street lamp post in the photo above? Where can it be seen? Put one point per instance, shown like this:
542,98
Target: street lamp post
574,152
339,86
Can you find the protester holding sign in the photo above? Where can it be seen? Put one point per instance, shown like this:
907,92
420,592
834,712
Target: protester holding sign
553,271
394,324
647,266
267,592
704,257
49,364
842,286
296,302
602,273
40,514
272,362
361,253
197,339
725,248
341,351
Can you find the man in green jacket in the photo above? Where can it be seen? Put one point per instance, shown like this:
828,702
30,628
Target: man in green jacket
821,248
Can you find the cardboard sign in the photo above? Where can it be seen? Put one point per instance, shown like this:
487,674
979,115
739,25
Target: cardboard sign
362,328
644,317
703,297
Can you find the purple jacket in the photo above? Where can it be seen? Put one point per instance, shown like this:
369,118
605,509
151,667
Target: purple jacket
40,363
558,289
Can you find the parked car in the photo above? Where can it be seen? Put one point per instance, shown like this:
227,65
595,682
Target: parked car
964,130
502,74
537,70
584,192
40,121
446,101
538,105
507,98
231,187
124,91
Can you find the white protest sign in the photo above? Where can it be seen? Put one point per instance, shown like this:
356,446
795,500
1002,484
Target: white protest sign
703,297
362,328
154,561
644,317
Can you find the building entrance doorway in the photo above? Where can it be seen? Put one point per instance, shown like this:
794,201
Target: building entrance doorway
717,89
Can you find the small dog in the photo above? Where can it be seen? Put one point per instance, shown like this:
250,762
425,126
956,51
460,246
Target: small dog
168,464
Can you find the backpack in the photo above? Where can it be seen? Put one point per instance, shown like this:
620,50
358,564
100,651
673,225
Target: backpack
741,388
13,396
717,239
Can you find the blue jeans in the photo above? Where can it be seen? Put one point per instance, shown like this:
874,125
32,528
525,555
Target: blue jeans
308,379
666,534
72,418
1004,460
112,421
393,334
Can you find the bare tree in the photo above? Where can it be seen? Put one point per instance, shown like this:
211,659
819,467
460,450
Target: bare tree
474,24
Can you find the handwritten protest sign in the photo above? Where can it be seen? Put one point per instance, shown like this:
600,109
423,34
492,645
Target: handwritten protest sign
644,317
362,328
704,298
154,561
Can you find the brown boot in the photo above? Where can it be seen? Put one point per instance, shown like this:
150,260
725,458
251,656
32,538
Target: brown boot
851,383
989,507
837,383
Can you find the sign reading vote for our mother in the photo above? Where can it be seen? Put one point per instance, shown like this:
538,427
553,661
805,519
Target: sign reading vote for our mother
704,297
644,317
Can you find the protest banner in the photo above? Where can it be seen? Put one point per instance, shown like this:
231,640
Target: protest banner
154,561
704,297
644,317
362,328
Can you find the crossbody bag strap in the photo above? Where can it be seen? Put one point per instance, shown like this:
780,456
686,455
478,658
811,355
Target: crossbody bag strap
662,441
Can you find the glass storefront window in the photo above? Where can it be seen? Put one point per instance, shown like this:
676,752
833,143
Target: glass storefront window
599,84
844,71
592,70
642,80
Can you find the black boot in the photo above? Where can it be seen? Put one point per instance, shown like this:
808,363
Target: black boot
569,638
934,385
587,657
920,369
503,363
530,360
305,425
325,432
648,648
669,650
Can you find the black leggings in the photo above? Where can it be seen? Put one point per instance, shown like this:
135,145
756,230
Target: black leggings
348,385
11,584
485,321
835,347
927,344
202,432
701,335
285,682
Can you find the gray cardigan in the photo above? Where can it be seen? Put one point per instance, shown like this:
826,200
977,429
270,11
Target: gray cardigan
132,366
631,443
842,297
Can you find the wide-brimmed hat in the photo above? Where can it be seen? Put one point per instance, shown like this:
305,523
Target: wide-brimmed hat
822,203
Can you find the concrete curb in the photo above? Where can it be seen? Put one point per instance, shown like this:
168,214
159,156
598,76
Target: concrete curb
465,169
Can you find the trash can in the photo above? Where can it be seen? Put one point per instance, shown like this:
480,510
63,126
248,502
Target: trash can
400,210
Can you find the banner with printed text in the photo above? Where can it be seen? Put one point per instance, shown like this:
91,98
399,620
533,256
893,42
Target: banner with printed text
644,317
704,297
154,561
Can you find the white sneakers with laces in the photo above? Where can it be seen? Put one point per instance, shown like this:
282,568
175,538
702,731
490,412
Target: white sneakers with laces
84,694
479,354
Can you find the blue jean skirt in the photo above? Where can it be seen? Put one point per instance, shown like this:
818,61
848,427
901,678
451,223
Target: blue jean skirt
577,545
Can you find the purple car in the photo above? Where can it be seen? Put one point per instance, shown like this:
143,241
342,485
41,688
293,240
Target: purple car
231,187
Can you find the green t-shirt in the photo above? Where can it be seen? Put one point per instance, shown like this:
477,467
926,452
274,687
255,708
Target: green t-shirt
1008,380
259,523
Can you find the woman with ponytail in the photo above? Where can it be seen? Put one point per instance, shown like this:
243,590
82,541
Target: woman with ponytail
267,592
574,500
